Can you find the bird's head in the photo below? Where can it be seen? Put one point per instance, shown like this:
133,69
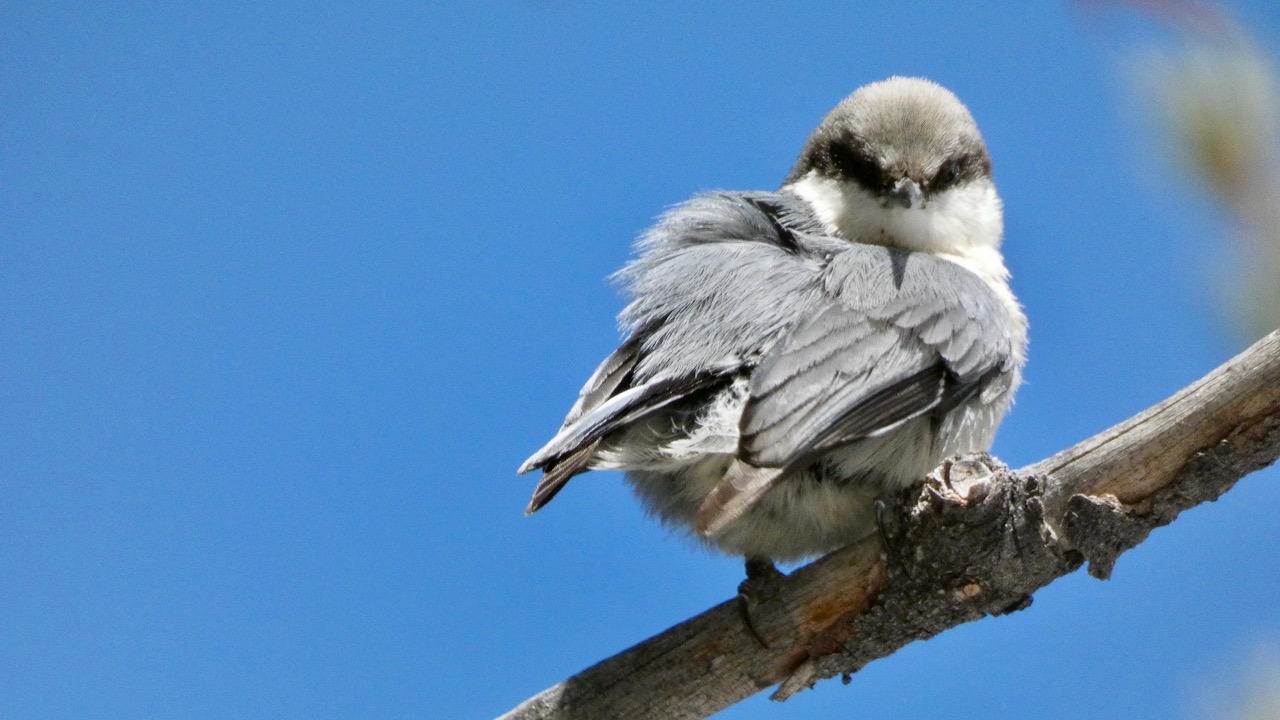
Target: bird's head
901,163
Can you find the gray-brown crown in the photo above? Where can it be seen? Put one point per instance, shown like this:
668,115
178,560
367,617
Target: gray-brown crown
894,129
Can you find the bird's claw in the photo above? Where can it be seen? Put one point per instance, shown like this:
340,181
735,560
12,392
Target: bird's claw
760,574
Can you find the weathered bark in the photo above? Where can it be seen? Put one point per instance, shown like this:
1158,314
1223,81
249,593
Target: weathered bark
975,539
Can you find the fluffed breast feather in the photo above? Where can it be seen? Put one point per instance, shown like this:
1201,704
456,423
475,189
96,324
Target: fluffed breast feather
838,341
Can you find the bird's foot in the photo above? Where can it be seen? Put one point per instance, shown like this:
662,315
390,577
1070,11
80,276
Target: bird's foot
761,574
882,516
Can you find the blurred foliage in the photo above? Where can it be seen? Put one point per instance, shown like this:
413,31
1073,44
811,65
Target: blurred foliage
1216,94
1248,689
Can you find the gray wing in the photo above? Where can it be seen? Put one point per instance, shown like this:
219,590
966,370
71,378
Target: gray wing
717,281
901,334
596,415
897,336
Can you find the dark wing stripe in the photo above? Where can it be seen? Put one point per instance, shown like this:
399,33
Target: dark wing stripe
884,410
864,416
960,391
798,392
622,409
611,377
783,236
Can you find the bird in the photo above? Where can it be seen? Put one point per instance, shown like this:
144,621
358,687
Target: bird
792,357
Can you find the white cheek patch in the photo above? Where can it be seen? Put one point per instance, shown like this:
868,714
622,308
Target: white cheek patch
826,198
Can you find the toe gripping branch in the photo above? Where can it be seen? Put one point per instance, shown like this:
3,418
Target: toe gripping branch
971,541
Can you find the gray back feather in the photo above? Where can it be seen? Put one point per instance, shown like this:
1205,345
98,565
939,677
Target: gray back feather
718,280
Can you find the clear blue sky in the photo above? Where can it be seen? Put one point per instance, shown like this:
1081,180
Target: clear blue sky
287,293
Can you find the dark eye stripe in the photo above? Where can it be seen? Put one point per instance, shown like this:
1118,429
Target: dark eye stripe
852,161
960,169
946,176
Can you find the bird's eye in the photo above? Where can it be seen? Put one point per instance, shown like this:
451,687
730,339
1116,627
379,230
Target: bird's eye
946,176
856,164
961,168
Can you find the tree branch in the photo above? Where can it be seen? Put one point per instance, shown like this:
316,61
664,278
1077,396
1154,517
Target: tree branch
974,539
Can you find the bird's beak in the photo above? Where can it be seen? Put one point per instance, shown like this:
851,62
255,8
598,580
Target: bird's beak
905,194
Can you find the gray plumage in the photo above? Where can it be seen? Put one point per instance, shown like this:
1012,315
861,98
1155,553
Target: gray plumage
783,365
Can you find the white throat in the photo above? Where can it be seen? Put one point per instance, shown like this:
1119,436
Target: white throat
964,224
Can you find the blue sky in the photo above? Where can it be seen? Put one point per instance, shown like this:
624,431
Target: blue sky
287,293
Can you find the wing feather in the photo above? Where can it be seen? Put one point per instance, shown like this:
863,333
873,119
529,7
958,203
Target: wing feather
622,409
893,341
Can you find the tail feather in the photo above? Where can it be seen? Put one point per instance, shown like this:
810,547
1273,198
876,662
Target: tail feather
555,476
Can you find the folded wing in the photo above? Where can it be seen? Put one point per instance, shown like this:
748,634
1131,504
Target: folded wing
896,336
